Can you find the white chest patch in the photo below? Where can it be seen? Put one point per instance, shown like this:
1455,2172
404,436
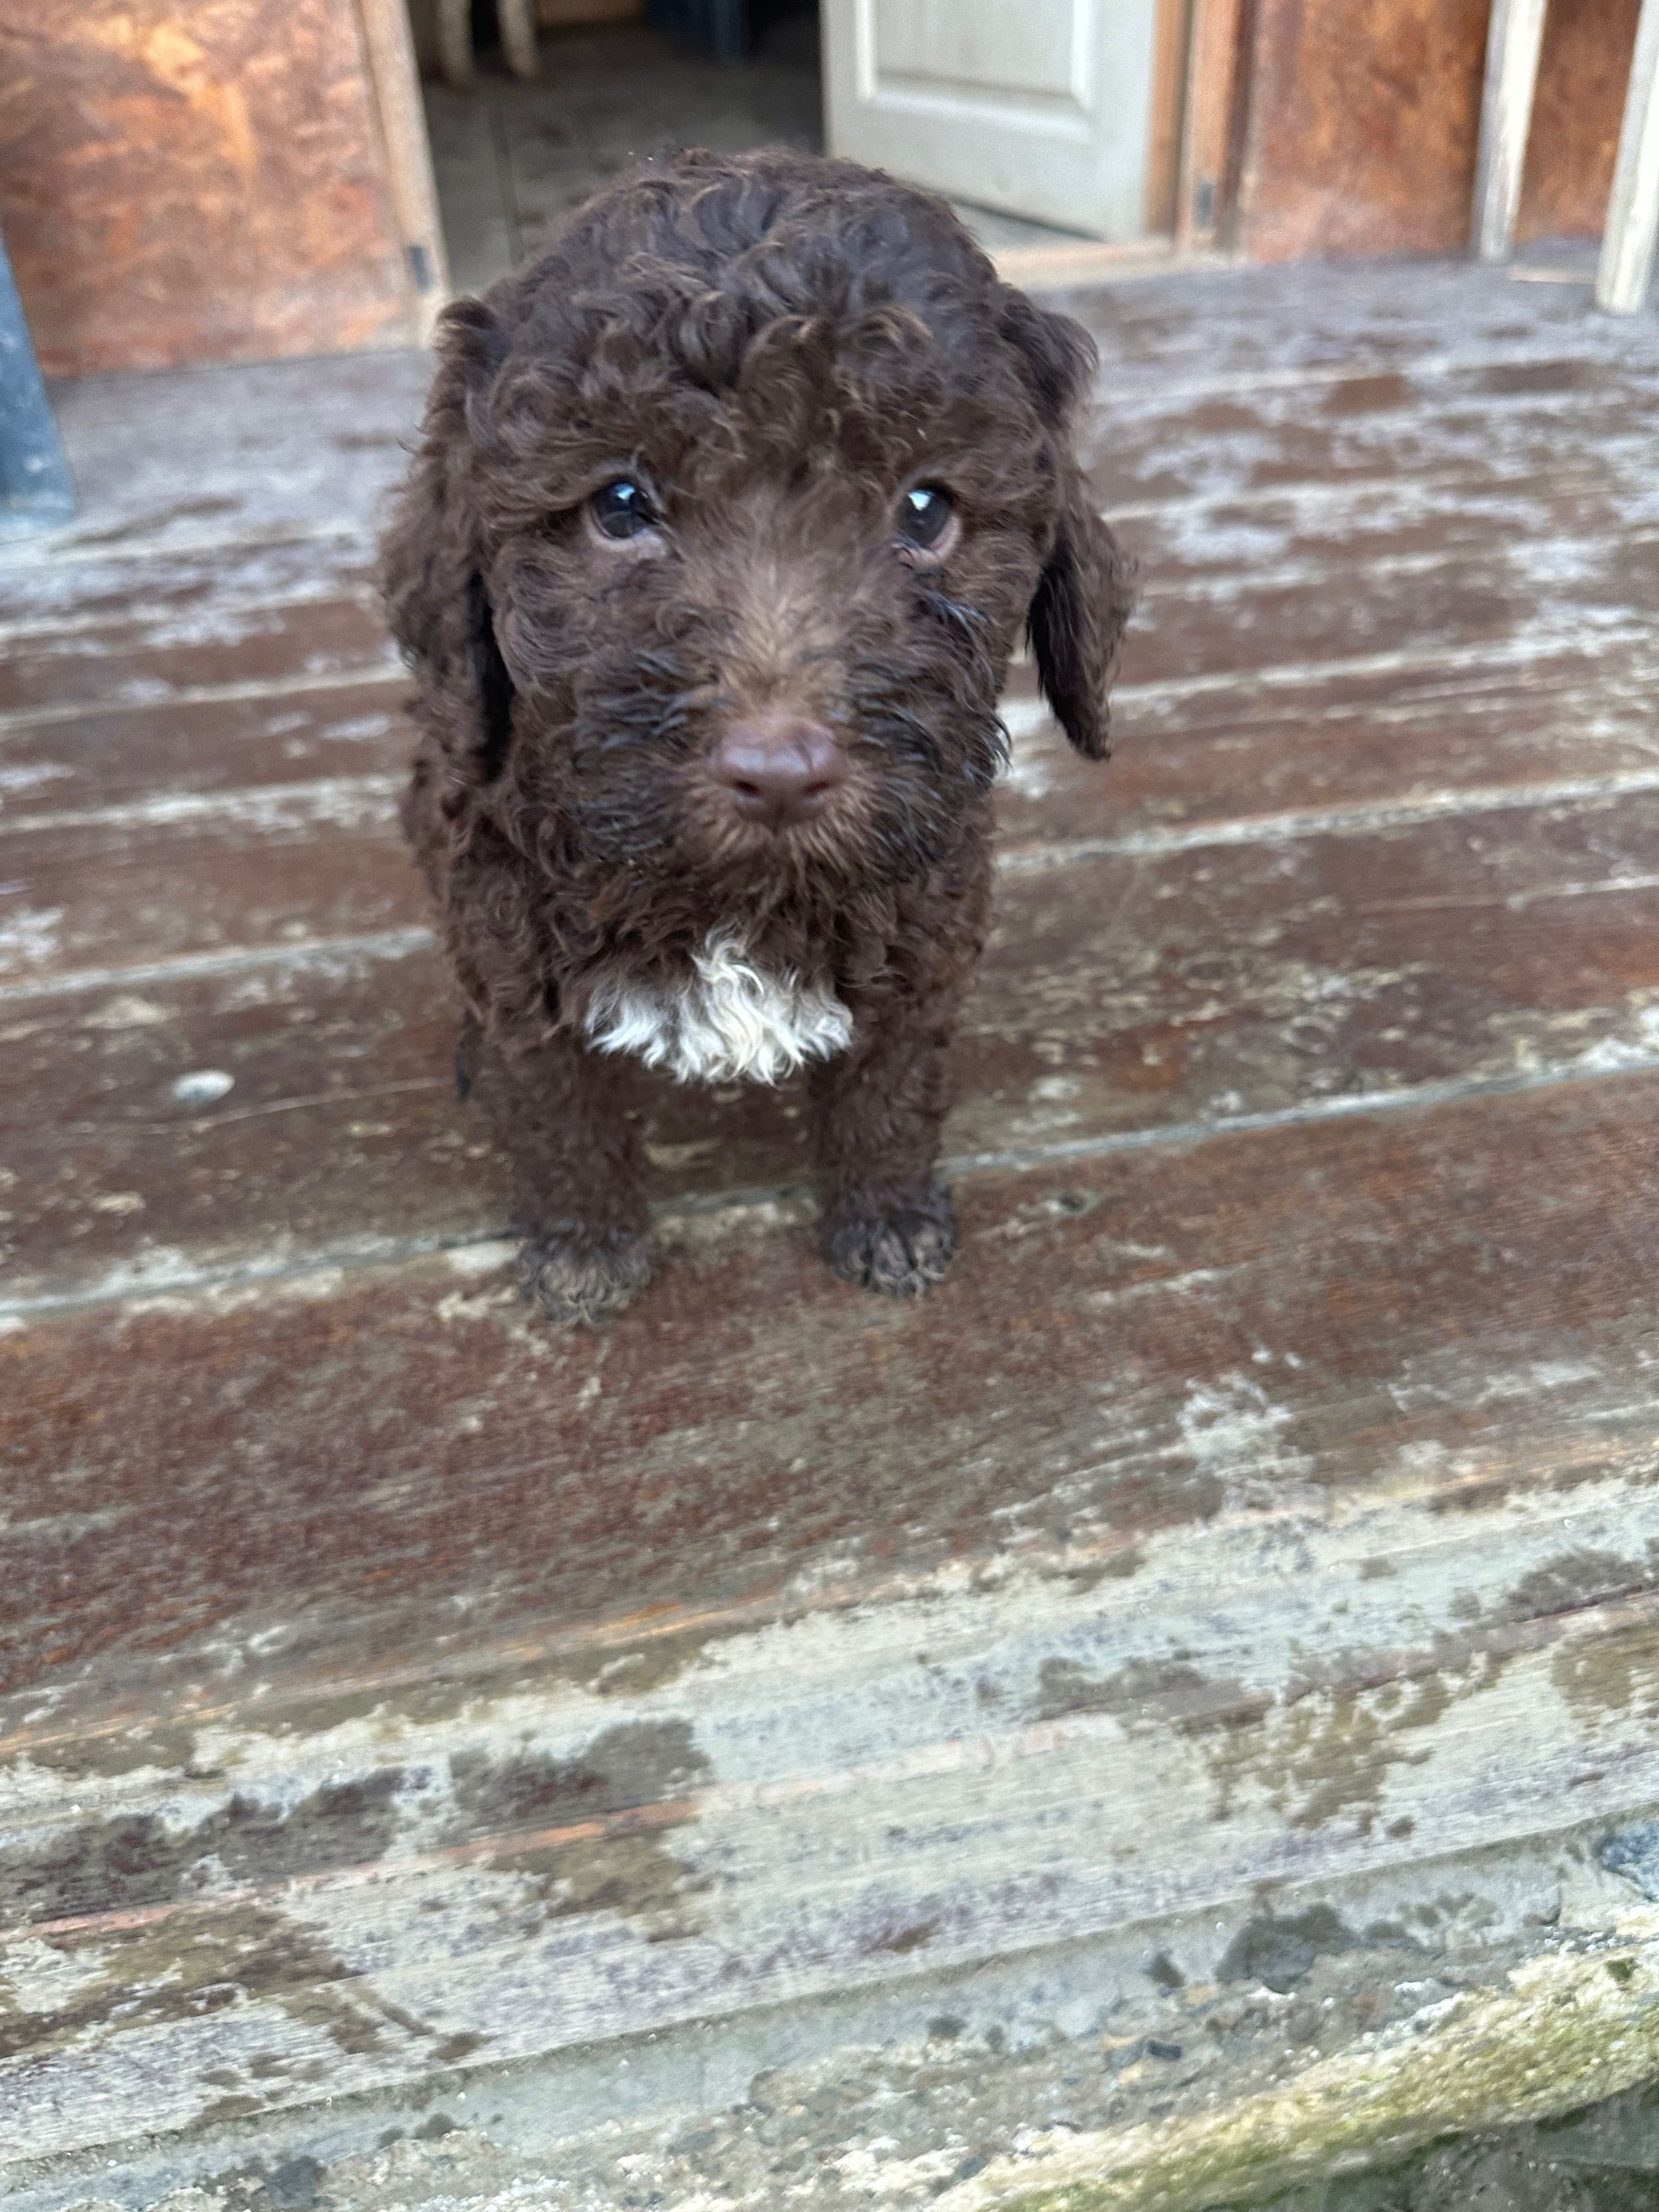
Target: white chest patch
732,1020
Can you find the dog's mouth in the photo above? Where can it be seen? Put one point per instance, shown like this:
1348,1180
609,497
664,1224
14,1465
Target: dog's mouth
784,803
749,828
751,805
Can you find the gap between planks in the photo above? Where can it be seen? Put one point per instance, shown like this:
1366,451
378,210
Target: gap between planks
128,1284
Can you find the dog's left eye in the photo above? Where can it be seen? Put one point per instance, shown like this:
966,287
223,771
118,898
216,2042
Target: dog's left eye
623,509
924,516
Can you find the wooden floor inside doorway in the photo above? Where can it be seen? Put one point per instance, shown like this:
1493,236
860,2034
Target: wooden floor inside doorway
391,1686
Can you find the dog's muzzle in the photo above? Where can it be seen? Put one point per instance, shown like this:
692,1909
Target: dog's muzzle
779,770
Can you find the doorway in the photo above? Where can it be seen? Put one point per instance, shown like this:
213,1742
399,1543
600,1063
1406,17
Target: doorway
512,158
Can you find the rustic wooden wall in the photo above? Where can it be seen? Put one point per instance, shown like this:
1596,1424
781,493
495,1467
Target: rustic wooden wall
1588,45
1362,116
188,180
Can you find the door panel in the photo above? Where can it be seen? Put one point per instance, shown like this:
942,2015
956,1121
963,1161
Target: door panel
997,51
1041,108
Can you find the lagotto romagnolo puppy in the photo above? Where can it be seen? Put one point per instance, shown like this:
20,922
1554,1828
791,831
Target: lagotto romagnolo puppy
728,513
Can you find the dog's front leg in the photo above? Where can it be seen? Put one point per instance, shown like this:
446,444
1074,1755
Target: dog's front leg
876,1111
560,1113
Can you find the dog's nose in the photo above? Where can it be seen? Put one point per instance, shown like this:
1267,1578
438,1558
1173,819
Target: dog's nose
780,768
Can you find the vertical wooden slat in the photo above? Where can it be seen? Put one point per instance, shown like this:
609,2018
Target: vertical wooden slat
1513,41
1211,75
390,46
1171,42
516,21
1627,244
1583,73
455,42
1360,118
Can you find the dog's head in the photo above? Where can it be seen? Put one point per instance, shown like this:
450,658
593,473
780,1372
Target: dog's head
729,513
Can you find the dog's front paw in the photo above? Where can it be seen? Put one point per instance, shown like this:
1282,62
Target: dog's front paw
575,1279
900,1249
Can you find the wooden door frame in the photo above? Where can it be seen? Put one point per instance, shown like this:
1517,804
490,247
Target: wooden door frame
1199,86
388,44
1212,122
1200,94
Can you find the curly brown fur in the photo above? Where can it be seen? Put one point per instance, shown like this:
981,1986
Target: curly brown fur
782,355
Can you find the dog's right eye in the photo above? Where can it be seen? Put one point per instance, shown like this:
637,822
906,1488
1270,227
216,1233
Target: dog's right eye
622,510
926,521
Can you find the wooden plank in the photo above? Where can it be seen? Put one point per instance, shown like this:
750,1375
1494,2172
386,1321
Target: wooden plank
1632,225
389,47
1230,442
1180,330
1411,607
1437,515
1278,611
225,177
88,594
1213,96
1264,752
304,864
262,451
1514,36
1582,75
210,865
111,757
1381,161
1172,34
629,1725
1135,982
51,675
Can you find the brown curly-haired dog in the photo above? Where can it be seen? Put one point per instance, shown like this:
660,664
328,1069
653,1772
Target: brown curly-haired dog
728,512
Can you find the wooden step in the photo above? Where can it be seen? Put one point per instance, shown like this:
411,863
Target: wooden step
1268,1488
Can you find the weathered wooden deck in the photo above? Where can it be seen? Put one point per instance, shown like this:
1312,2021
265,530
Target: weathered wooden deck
1225,1613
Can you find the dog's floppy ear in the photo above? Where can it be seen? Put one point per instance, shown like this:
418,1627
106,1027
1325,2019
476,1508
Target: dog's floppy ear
1084,594
432,558
1076,618
492,681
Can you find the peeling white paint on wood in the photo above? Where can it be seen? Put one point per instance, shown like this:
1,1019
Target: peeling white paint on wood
1267,1580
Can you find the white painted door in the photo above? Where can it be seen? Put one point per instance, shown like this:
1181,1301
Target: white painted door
1041,108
